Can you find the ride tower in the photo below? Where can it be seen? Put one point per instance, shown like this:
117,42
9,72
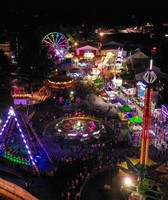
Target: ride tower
149,78
146,175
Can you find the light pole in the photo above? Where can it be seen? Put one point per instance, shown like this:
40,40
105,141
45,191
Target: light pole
75,44
101,34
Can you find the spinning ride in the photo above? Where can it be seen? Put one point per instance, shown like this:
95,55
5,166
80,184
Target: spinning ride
57,44
80,127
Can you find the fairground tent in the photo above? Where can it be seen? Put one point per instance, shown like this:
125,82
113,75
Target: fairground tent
98,80
136,120
126,108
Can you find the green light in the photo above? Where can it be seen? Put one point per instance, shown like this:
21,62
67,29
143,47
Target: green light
15,159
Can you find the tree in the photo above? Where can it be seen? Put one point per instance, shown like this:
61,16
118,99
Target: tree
34,65
4,61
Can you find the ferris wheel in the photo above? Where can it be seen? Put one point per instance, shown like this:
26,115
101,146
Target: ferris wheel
57,44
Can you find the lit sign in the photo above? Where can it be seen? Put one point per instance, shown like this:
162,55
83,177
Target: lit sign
165,110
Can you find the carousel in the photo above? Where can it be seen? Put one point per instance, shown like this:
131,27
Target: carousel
59,82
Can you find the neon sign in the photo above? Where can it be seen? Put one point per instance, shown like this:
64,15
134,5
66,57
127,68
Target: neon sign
165,110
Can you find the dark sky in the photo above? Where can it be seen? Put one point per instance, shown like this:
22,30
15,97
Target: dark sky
110,12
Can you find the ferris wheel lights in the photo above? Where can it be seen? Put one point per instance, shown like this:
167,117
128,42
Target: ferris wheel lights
57,44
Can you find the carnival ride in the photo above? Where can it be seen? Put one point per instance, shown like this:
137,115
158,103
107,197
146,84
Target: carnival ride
146,173
79,127
21,96
119,58
20,144
60,81
57,45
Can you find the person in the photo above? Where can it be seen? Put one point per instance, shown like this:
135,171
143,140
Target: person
27,184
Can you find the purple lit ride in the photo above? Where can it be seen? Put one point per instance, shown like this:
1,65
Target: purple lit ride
20,144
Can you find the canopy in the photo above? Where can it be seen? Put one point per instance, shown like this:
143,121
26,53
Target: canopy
100,86
97,80
129,115
126,108
136,119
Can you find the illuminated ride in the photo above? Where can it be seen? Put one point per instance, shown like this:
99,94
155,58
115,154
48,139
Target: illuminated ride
79,127
119,59
57,45
21,96
145,173
20,144
59,82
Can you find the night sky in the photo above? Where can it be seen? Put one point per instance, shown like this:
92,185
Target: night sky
41,12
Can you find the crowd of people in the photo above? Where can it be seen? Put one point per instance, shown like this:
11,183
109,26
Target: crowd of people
76,163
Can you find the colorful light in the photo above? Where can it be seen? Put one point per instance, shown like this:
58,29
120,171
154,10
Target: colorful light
8,155
165,110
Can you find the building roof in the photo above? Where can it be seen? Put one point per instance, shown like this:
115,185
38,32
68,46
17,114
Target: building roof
138,54
111,45
139,73
87,47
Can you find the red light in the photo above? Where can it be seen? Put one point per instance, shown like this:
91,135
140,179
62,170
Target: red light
154,49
